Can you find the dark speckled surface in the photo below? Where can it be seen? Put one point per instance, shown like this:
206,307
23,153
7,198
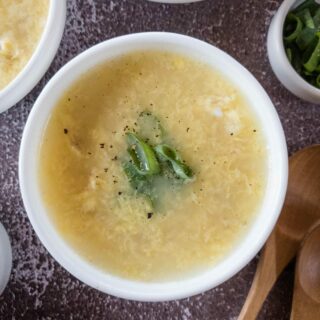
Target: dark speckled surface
39,288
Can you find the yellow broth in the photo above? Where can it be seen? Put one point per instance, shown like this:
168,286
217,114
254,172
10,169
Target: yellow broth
21,26
89,197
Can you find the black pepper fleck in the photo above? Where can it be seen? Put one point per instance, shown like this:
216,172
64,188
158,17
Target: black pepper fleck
101,145
65,131
150,214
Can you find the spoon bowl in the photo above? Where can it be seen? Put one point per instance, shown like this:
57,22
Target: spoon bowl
306,296
308,266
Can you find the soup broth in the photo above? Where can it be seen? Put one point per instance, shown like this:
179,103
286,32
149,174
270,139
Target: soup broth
193,223
21,26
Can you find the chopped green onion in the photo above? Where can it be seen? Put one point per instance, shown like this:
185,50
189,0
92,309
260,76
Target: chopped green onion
293,28
312,55
142,155
169,154
305,38
316,19
309,4
140,183
150,167
289,54
301,38
306,18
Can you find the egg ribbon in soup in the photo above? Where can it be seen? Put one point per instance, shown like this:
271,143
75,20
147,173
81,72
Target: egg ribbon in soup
152,166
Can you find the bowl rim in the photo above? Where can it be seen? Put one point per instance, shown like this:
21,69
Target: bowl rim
40,60
280,17
5,258
176,288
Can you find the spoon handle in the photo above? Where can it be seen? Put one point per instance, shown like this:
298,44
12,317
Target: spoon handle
277,253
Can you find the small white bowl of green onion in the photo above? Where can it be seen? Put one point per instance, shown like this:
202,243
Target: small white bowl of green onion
294,47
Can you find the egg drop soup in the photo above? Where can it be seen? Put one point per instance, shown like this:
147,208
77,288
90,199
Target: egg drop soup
21,25
153,166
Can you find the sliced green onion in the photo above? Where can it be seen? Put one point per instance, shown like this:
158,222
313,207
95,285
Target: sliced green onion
293,27
301,38
135,178
289,54
305,38
316,19
307,73
306,18
142,155
296,58
311,57
140,183
169,154
309,4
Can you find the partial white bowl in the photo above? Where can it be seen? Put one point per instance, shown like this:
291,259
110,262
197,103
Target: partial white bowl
279,61
245,250
41,59
5,258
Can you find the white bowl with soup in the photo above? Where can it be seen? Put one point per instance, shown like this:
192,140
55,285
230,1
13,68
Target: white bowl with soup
30,34
153,166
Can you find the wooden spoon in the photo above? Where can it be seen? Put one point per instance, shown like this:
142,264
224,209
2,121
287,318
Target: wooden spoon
306,297
300,212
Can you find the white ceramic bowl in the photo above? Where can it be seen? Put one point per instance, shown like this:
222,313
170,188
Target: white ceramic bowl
279,61
5,258
246,249
40,60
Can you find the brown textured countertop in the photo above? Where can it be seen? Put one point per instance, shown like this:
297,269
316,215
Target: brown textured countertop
39,288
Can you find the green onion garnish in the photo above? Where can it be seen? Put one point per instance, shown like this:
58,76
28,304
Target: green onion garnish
150,161
142,155
301,37
167,153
